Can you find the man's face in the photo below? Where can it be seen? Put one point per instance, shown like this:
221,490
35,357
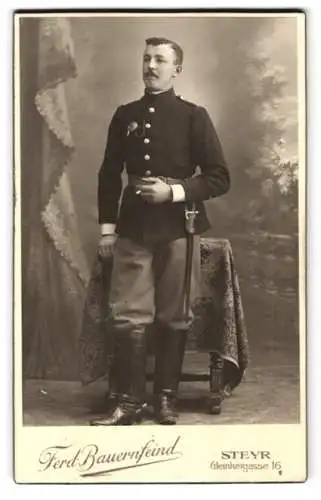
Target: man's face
159,67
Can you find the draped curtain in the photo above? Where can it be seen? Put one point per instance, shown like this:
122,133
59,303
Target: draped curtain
54,269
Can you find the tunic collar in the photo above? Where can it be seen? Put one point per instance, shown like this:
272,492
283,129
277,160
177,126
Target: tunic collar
160,98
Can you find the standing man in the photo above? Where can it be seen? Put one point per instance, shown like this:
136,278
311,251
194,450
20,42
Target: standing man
161,139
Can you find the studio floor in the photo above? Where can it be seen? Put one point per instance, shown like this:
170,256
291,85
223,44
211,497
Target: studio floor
268,394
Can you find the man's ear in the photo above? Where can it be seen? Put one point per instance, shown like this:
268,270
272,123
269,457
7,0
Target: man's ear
179,69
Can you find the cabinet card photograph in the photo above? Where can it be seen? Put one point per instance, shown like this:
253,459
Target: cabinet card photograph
159,247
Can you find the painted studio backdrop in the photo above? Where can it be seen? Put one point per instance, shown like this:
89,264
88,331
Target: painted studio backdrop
74,73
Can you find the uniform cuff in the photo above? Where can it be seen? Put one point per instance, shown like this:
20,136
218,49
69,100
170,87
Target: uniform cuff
107,229
178,193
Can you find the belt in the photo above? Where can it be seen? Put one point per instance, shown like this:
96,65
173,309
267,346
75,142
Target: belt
134,180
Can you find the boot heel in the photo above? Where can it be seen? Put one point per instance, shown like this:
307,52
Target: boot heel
214,406
138,419
139,415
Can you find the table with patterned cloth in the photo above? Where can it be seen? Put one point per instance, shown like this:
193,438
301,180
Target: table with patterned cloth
218,328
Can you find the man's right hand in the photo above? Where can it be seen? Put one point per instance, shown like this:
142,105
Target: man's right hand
106,245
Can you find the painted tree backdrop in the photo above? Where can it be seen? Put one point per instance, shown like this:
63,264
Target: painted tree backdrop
254,126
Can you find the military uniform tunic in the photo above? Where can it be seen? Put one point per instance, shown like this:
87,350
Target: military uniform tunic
160,135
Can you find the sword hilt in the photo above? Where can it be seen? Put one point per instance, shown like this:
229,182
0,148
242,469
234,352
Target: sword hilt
190,217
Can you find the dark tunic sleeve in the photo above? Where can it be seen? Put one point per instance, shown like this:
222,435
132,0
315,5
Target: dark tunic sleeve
207,153
109,177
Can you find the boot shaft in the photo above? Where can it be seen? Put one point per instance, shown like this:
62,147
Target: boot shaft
129,364
169,355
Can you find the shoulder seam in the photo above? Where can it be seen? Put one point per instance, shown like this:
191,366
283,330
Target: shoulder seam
130,103
190,103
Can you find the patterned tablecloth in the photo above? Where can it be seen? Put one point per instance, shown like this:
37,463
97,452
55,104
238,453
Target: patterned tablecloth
219,320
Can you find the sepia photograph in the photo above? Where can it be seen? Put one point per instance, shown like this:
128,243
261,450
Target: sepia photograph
159,245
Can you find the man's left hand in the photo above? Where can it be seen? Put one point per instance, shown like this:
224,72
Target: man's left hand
154,190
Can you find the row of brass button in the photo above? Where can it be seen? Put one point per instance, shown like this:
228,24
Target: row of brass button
147,140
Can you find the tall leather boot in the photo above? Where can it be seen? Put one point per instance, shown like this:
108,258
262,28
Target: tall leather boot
130,378
170,348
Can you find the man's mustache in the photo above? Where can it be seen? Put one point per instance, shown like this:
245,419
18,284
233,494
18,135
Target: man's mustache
150,73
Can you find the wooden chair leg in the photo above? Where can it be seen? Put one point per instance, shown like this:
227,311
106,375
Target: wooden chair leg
216,384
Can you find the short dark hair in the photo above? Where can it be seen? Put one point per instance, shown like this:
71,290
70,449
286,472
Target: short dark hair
165,41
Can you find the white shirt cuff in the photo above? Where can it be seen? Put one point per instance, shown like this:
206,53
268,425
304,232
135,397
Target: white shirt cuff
178,192
107,229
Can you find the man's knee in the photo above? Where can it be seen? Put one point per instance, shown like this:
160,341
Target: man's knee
177,322
126,320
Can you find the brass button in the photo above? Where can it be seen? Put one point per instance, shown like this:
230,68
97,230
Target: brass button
151,110
148,173
148,125
146,140
146,157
